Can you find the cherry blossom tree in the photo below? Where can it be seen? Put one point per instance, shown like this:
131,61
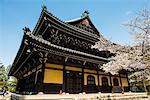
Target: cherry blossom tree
135,58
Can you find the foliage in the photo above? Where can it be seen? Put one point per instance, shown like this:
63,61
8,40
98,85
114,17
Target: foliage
10,81
136,58
3,74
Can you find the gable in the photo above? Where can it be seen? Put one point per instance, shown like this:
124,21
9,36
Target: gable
85,23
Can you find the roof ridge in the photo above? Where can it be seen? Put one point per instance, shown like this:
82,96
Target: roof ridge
74,19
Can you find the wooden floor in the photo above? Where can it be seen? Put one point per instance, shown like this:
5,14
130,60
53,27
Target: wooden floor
98,96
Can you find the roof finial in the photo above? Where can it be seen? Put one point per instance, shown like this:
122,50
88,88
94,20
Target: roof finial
85,13
44,7
26,30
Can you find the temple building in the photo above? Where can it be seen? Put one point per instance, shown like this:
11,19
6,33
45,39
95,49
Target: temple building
57,56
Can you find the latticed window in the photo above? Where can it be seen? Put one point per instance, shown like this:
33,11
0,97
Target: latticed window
115,81
104,81
90,80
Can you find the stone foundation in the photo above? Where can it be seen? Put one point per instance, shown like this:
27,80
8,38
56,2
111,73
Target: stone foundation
98,96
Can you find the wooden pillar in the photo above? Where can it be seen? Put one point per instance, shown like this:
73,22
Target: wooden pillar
98,79
43,67
42,59
128,81
18,85
120,80
83,79
64,75
83,88
110,82
35,81
64,79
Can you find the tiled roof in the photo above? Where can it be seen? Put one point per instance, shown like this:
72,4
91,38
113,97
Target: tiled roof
62,48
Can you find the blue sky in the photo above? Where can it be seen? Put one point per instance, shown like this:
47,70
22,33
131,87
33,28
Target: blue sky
107,16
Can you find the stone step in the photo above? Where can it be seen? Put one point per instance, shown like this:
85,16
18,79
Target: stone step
96,96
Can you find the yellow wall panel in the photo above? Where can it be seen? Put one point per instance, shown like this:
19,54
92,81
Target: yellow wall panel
73,68
101,72
122,75
53,76
124,81
100,79
90,71
85,78
54,66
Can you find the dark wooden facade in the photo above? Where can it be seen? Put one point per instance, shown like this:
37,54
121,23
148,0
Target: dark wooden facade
57,56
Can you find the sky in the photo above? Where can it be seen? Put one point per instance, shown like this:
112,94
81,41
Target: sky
107,16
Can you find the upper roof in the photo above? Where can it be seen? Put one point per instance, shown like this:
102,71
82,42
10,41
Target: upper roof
82,27
84,22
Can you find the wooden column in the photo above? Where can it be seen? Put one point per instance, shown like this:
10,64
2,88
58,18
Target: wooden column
120,81
35,80
83,79
43,60
34,74
98,79
43,67
128,81
110,81
18,85
64,79
64,75
83,90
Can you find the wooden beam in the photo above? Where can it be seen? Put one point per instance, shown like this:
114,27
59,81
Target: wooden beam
23,63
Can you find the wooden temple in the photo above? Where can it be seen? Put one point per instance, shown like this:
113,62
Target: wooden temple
57,56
